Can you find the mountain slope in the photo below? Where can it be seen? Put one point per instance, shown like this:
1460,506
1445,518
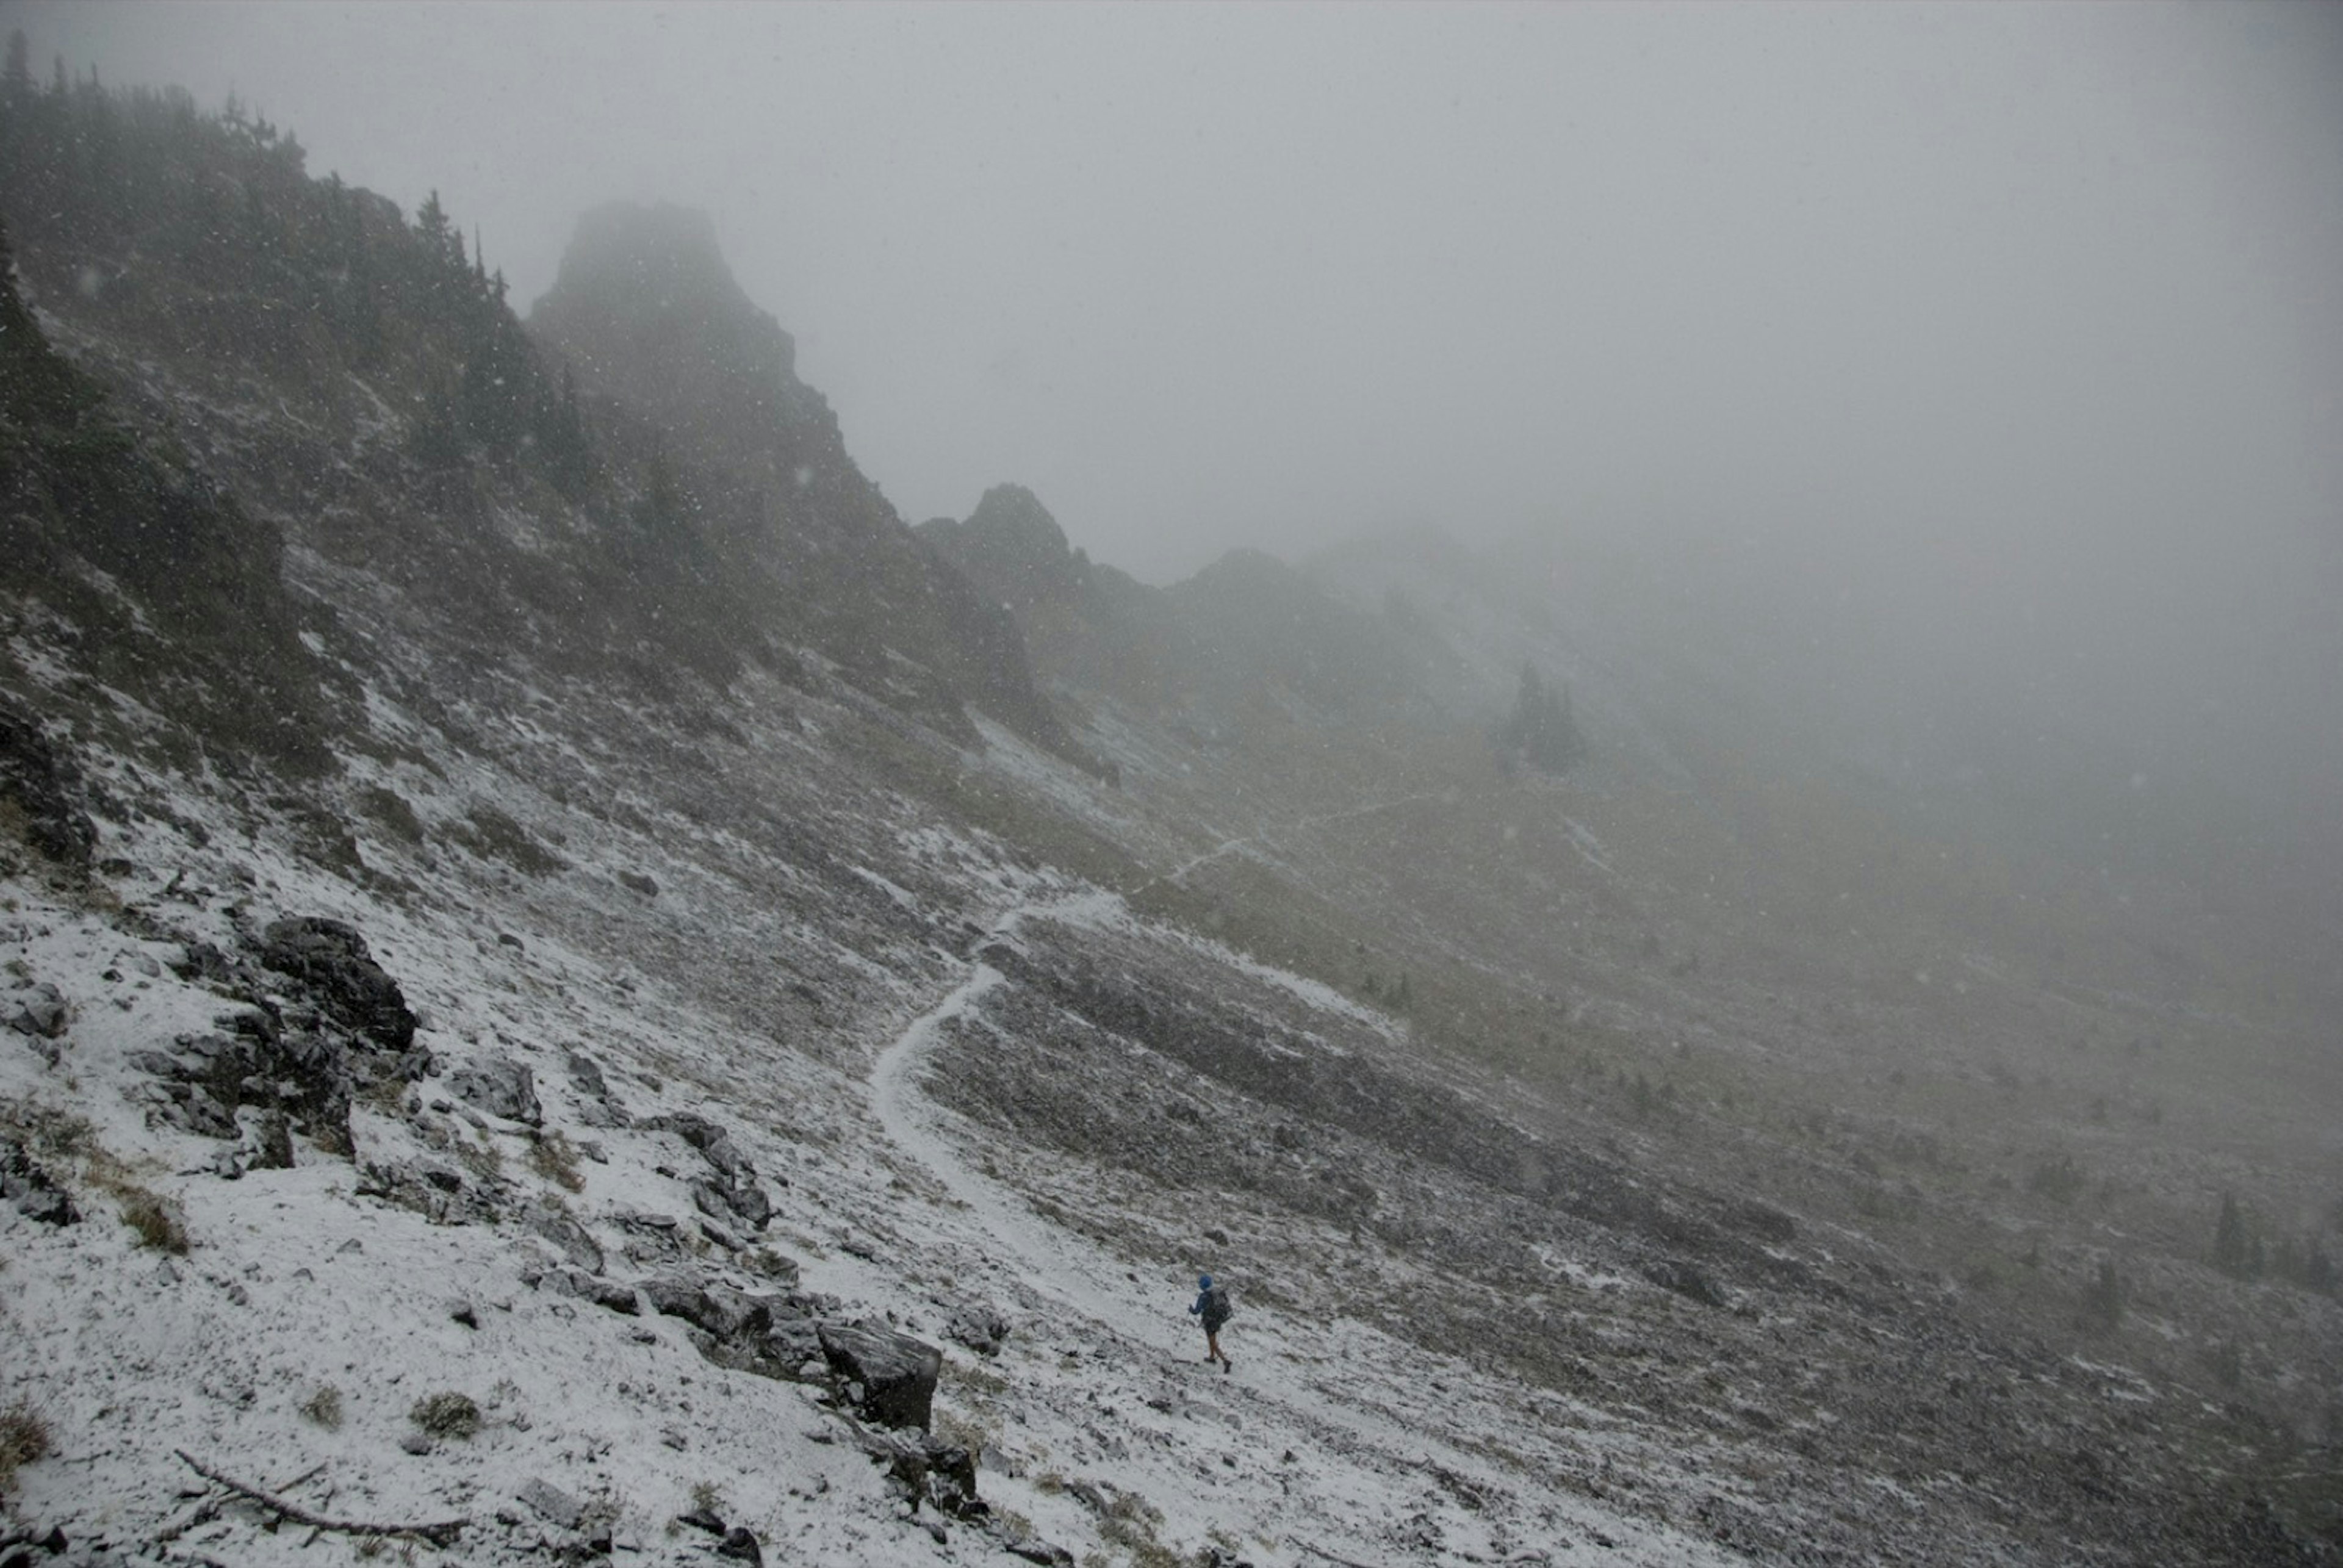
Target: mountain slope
641,1018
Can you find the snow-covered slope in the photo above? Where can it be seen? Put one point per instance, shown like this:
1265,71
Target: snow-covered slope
314,1306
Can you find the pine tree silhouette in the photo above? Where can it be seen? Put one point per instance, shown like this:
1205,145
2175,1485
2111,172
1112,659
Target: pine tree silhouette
16,80
1542,730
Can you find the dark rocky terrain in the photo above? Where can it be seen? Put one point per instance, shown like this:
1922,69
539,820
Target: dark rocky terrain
578,989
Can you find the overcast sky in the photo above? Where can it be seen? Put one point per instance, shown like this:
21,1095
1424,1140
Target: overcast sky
1205,276
2026,322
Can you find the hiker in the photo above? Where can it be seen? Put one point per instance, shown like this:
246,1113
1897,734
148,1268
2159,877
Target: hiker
1212,1304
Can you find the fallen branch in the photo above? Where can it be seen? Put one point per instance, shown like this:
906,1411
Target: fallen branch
442,1533
1329,1557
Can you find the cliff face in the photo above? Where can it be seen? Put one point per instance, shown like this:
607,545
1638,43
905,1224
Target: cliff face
648,312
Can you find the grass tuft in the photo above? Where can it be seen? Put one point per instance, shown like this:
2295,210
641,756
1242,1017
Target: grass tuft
23,1439
555,1158
447,1415
324,1407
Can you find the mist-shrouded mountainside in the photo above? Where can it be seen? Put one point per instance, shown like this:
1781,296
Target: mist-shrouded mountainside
577,990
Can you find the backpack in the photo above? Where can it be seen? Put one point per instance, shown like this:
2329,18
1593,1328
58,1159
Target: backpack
1217,1306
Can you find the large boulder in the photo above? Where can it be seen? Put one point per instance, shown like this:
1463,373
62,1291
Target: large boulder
897,1374
330,958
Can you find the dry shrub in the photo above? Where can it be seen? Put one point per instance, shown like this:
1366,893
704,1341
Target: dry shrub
156,1220
555,1158
24,1438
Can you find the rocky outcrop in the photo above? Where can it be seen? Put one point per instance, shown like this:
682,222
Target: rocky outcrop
730,1191
41,785
647,311
1087,627
300,1076
330,958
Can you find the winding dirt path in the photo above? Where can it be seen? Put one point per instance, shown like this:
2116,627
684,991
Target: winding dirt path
1348,1410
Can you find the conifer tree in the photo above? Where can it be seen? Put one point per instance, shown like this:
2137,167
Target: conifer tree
17,81
1541,730
2235,1248
431,224
2103,1299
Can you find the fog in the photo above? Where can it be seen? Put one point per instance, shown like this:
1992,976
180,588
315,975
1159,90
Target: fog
2021,326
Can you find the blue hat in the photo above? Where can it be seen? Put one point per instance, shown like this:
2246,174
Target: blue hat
1203,1282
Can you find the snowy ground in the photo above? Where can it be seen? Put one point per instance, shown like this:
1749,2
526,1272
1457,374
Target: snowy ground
287,1345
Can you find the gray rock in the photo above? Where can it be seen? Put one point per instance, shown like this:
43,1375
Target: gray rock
898,1372
499,1086
31,1188
552,1504
42,1013
561,1228
739,1544
415,1442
